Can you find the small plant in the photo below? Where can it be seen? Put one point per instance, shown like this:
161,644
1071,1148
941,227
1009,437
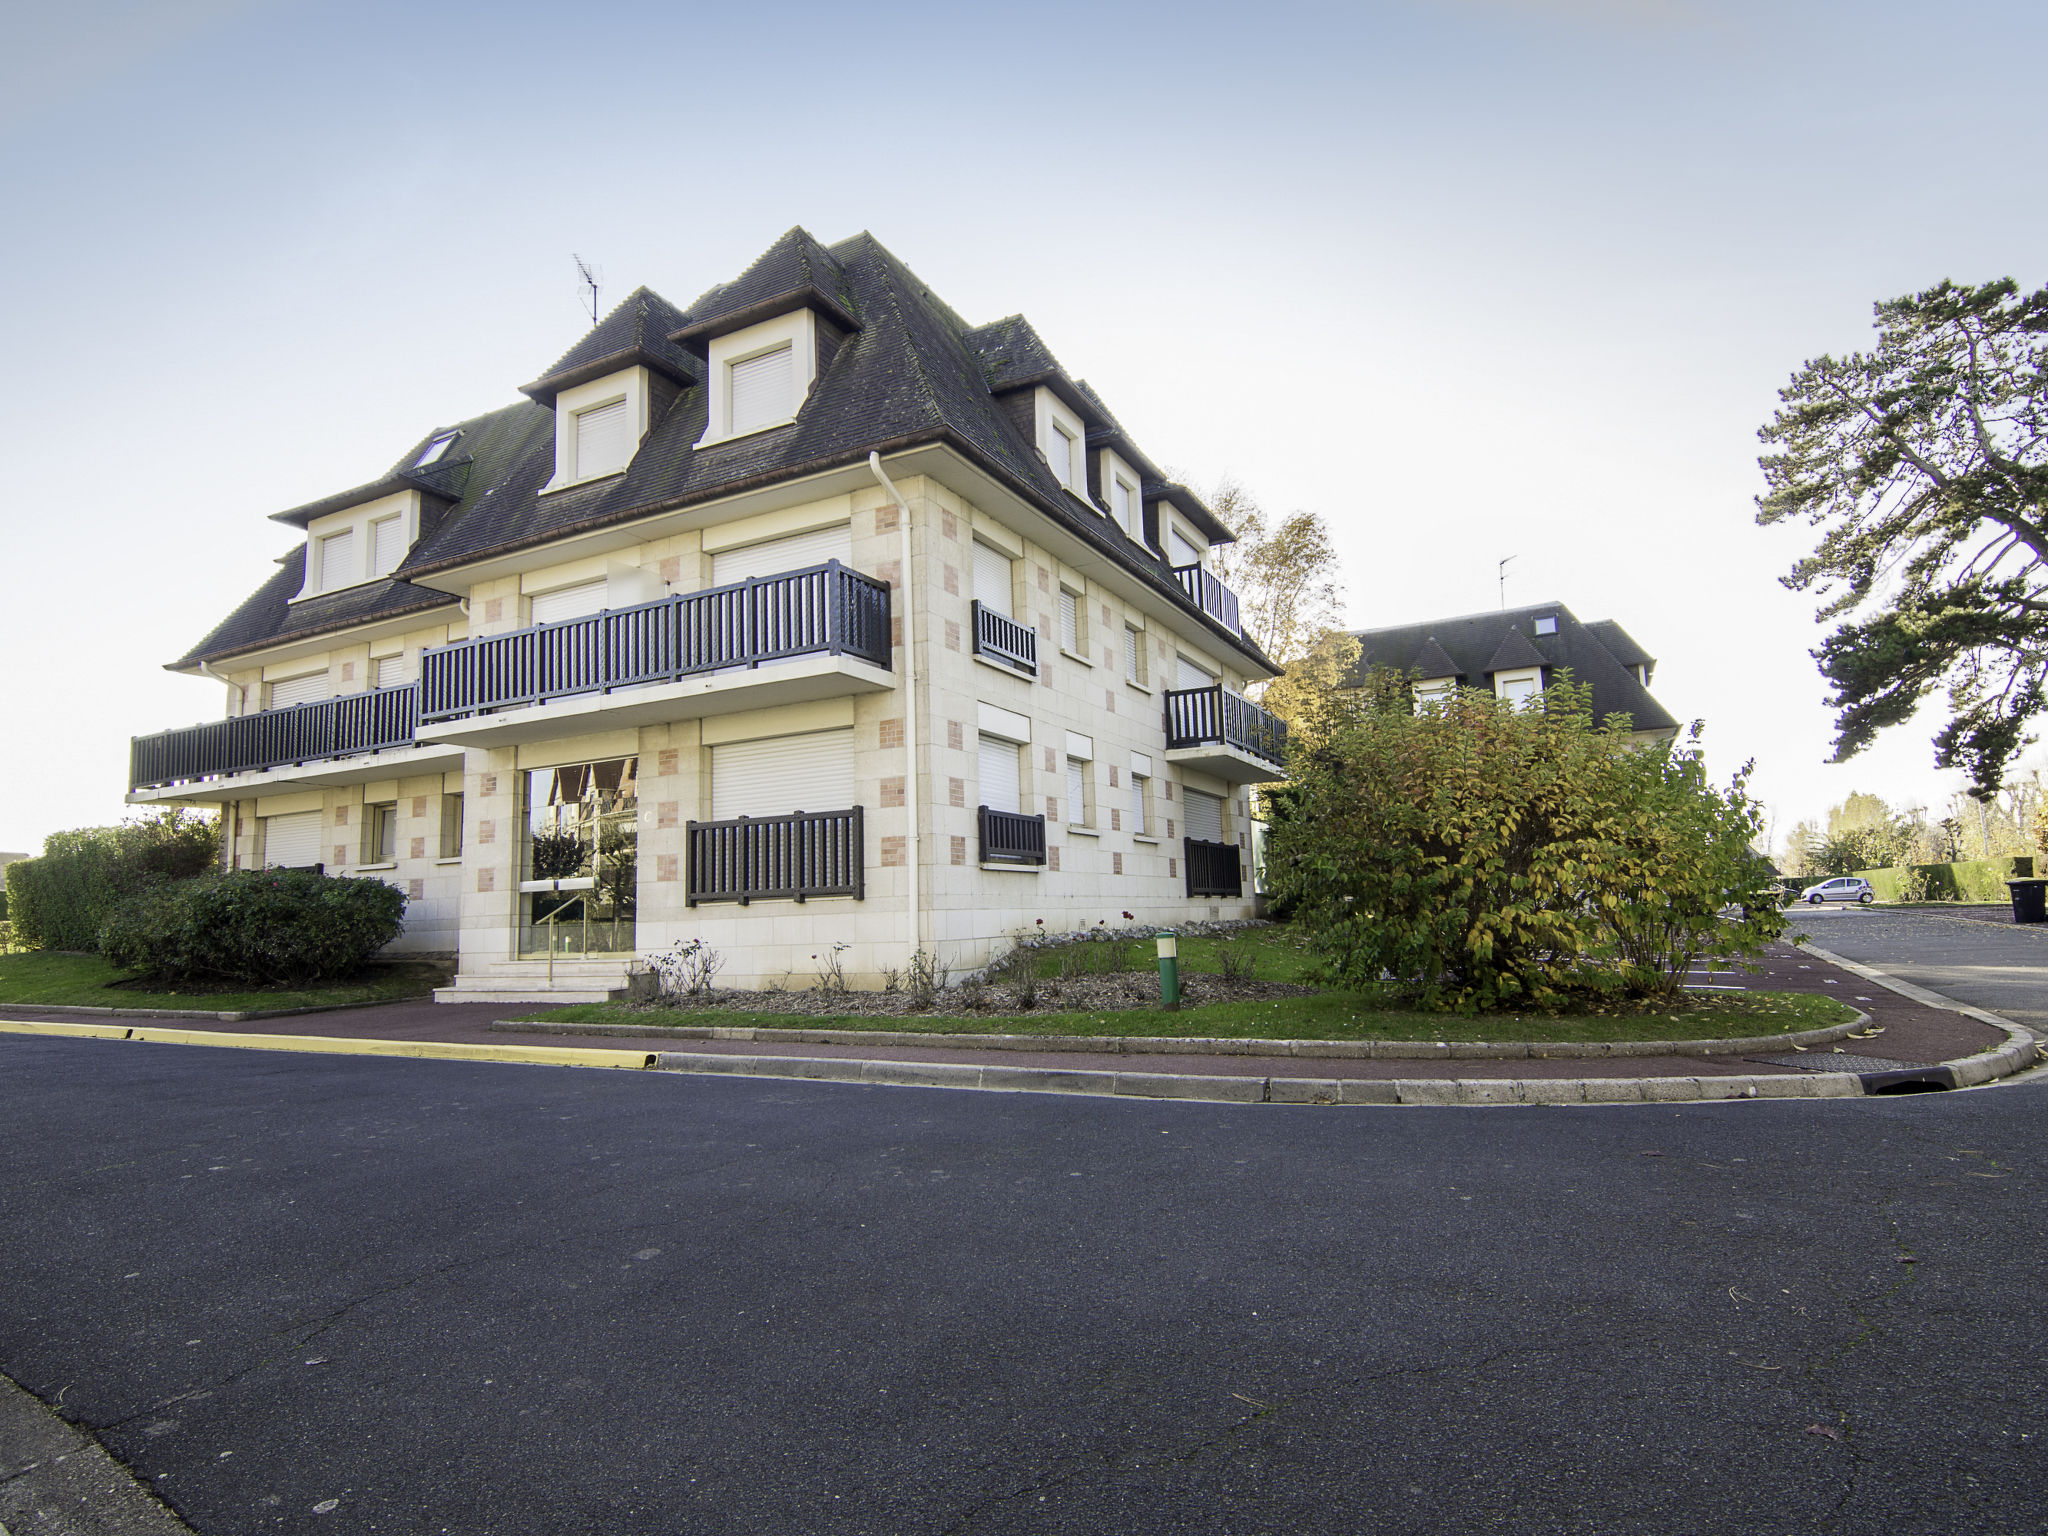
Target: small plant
927,979
892,980
1073,962
974,993
687,970
1238,960
832,970
1120,954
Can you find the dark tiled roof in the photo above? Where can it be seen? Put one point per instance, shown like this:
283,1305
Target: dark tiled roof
795,269
909,375
1621,645
1472,645
1012,354
635,332
270,615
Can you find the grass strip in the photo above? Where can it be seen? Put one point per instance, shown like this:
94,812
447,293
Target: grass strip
39,978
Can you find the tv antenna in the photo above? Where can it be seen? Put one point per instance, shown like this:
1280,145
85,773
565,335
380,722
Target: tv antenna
1504,578
591,278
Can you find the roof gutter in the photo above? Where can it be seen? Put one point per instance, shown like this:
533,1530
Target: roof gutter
911,795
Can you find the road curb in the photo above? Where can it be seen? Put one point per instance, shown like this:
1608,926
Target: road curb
337,1045
1206,1045
2023,1046
56,1477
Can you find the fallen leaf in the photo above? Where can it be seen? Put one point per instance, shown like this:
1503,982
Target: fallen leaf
1828,1430
1907,1258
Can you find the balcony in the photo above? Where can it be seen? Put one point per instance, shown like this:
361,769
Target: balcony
356,737
817,633
1212,868
1219,732
1009,838
787,858
1002,639
1209,595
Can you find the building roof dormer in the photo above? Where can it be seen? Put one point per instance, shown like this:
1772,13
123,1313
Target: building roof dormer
634,335
1514,654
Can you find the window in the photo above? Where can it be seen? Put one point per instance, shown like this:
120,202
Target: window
291,842
1120,503
1547,625
1002,785
1070,623
759,391
451,826
307,688
1436,690
1134,656
1178,550
1518,687
1203,814
774,556
1189,675
780,775
389,671
1079,812
380,834
433,452
387,545
1141,795
579,881
602,441
992,578
579,601
337,559
1059,452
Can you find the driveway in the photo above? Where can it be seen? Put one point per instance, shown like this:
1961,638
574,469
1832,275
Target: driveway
302,1293
1991,965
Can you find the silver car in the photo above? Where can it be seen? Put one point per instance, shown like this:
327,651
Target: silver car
1843,888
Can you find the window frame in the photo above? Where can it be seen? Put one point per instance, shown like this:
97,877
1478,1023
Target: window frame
380,834
1137,658
798,330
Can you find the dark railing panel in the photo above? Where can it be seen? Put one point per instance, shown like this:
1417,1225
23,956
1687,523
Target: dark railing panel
1209,594
790,857
1213,868
1003,638
374,721
1204,716
825,609
1010,838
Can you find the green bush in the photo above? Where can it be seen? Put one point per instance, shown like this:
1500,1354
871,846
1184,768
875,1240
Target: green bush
1476,855
59,900
1970,880
263,926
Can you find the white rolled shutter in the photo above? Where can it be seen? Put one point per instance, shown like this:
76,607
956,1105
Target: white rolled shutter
601,445
1077,792
1190,675
992,578
291,842
761,390
1204,815
1179,551
568,602
1120,506
338,559
1131,657
388,546
1070,621
1001,787
812,772
299,690
795,553
1059,453
390,671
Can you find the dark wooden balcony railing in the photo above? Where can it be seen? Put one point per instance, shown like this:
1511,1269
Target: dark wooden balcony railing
1213,868
791,858
826,609
1004,639
1209,594
1009,838
276,738
1198,717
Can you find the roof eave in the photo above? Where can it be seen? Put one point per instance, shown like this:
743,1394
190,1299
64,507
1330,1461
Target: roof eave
194,663
699,334
544,390
341,501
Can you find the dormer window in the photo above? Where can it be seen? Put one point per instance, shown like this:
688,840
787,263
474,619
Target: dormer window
599,426
1178,550
436,449
601,440
337,560
1059,453
1061,440
387,545
1122,498
759,391
760,376
365,542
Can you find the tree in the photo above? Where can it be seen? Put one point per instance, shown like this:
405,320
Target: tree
1925,464
1285,575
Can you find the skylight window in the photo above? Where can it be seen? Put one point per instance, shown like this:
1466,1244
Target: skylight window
437,449
1546,625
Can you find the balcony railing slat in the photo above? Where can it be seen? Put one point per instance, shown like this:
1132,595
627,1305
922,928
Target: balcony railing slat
375,721
1008,837
1197,717
793,857
1208,593
1003,638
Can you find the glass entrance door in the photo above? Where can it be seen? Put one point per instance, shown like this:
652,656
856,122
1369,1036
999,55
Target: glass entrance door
579,870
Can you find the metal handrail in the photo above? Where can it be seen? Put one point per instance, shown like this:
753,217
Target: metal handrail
1000,636
1203,716
373,721
792,857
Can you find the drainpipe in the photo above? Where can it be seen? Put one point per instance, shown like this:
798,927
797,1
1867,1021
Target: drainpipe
910,793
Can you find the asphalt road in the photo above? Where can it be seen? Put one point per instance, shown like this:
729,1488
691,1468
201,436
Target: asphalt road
1987,965
348,1294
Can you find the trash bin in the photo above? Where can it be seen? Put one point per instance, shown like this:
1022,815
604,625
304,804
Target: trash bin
2029,900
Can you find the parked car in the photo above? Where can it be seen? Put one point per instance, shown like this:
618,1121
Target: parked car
1842,888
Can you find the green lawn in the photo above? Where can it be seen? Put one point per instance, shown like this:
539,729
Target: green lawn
1323,1016
34,978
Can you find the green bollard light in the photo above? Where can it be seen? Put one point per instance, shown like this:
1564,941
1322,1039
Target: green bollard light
1169,971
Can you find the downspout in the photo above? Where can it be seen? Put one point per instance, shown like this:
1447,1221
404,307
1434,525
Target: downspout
910,791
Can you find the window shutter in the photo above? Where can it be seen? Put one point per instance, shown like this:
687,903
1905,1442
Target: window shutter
1190,675
568,602
1204,815
299,690
992,578
1001,787
1120,506
1070,622
812,772
388,545
761,390
1131,657
292,842
390,671
1178,550
795,553
601,440
1138,782
337,559
1059,452
1077,792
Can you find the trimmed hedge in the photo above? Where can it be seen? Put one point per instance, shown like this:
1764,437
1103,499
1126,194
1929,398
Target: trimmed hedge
59,901
288,927
1971,880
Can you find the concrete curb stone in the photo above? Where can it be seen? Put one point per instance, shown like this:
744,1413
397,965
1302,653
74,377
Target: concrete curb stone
56,1480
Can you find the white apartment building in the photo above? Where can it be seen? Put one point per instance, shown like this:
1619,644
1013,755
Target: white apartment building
807,619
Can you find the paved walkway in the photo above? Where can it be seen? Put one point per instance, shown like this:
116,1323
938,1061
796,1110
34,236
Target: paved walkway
1913,1033
1987,964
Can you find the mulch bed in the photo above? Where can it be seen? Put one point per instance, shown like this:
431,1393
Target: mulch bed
1085,994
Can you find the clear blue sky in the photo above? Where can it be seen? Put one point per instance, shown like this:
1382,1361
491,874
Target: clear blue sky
1471,279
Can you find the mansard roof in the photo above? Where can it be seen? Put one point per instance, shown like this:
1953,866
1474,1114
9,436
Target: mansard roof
908,373
1472,646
